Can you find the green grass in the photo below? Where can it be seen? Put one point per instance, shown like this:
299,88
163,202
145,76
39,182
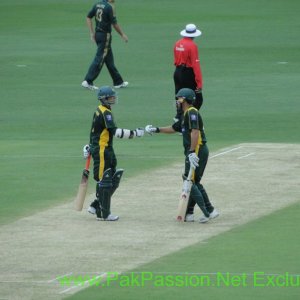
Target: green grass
269,245
45,116
249,54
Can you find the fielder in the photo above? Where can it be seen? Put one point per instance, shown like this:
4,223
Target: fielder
104,14
106,174
195,150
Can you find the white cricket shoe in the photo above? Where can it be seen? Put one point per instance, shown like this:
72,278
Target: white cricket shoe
122,85
189,218
109,218
203,219
214,214
86,85
92,210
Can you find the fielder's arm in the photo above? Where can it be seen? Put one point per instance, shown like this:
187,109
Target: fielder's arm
119,30
89,23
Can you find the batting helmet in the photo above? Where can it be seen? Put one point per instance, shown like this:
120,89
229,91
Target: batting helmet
187,94
107,95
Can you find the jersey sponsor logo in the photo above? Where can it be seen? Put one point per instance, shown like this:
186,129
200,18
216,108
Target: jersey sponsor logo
108,117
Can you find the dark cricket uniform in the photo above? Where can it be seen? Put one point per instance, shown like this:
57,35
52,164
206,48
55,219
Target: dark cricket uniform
104,15
101,141
187,73
192,120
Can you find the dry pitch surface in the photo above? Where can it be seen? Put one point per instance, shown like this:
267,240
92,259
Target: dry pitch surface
37,250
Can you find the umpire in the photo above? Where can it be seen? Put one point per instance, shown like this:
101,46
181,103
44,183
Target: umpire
105,18
188,73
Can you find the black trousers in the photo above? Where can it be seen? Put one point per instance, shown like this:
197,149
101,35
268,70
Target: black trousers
185,78
203,154
104,55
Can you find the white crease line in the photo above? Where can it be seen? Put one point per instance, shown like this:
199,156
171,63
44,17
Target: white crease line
225,152
23,281
78,156
247,155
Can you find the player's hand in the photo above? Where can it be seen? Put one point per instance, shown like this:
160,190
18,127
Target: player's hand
86,151
150,129
92,36
198,91
194,159
139,132
125,38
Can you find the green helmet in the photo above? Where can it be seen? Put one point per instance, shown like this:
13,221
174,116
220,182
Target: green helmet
107,95
188,95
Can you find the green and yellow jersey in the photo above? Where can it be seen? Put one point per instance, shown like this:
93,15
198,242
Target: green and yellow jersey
190,120
103,128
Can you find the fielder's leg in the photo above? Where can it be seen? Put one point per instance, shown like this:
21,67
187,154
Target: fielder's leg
113,71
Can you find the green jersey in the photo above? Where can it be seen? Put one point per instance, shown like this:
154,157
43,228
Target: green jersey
104,16
190,120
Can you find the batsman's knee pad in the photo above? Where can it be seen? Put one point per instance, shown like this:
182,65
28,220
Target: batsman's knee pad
103,191
116,179
104,196
106,180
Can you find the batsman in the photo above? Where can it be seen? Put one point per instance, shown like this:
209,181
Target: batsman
195,150
105,171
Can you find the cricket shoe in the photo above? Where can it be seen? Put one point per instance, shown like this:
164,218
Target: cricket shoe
203,219
109,218
124,84
214,214
86,85
189,218
93,207
92,210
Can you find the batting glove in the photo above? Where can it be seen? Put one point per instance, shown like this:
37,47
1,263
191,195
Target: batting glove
194,159
139,132
86,151
150,129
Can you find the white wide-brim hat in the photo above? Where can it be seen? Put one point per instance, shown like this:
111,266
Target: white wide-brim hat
190,31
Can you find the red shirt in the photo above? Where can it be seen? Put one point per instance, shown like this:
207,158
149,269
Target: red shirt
186,53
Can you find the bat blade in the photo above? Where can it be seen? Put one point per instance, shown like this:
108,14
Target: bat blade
184,198
79,200
183,201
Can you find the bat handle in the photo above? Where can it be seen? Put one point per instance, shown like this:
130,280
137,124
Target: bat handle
190,174
88,161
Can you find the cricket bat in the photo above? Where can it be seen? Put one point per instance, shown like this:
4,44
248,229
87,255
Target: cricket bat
184,198
79,200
